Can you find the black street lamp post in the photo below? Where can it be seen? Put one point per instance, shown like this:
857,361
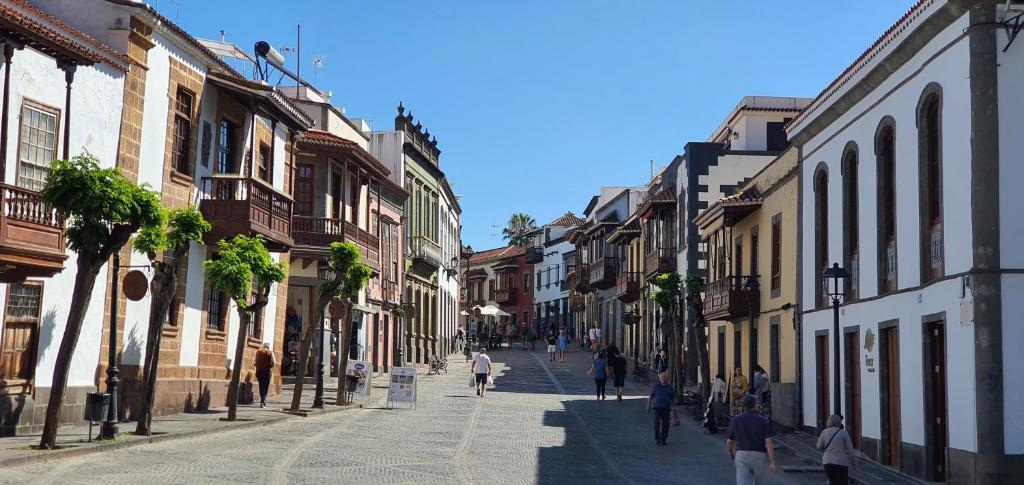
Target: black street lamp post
834,281
109,429
325,273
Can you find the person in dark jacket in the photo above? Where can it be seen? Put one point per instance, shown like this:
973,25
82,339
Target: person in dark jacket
264,362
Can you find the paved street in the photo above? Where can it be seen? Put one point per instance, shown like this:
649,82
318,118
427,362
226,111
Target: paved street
539,424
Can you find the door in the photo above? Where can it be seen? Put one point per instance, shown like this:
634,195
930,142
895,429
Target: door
937,412
890,394
387,345
852,361
304,174
721,354
822,381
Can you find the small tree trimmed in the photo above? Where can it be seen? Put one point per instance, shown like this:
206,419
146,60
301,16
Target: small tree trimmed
178,229
695,285
241,261
667,297
350,276
102,209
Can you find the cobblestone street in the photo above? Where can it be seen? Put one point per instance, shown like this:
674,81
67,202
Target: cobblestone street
539,424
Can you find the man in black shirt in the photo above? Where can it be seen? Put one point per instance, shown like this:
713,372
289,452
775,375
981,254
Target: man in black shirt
551,339
618,365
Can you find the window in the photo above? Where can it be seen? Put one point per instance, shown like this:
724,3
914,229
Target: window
526,283
38,146
930,182
737,347
539,283
226,147
776,140
353,198
753,251
256,320
738,258
490,290
181,137
851,220
216,310
721,354
304,173
335,195
20,332
885,149
775,345
776,283
820,231
266,164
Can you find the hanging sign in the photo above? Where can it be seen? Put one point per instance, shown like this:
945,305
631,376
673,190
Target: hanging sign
135,285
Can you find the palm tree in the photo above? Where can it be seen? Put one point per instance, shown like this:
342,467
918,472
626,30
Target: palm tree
518,225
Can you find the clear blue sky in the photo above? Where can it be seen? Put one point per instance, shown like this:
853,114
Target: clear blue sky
537,103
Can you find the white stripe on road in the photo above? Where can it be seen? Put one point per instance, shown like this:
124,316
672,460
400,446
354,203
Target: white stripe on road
583,425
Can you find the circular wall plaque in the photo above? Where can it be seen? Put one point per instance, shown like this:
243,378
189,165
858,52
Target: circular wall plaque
135,285
337,309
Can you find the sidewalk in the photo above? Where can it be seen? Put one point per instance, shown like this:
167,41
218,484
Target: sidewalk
866,472
73,440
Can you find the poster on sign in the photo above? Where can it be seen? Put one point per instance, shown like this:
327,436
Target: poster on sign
361,372
403,385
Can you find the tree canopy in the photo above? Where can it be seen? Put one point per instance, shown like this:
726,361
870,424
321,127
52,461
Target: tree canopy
177,227
517,227
240,260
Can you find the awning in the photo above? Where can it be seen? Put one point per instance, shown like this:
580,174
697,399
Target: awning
491,310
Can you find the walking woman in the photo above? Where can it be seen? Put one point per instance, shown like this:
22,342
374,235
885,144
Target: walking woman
837,448
562,345
737,390
600,373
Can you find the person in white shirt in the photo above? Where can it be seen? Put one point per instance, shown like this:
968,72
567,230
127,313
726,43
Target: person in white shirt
482,369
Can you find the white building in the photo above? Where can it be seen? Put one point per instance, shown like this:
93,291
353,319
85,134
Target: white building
909,172
448,288
548,252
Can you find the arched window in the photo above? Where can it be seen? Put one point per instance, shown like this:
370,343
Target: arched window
820,229
929,131
851,218
885,150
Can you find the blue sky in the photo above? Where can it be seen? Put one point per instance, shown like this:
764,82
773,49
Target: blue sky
536,104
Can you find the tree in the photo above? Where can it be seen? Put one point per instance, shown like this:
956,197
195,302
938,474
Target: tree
101,209
172,236
350,276
696,327
667,297
242,261
517,227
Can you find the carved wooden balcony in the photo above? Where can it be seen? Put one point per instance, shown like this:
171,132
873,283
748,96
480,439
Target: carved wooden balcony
315,235
602,273
31,236
627,287
582,278
661,260
534,254
426,256
727,299
243,205
505,295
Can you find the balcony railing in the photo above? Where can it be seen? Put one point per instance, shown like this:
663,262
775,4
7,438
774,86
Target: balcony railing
505,295
661,260
389,291
426,255
627,286
243,205
320,232
602,273
534,254
31,236
582,278
727,298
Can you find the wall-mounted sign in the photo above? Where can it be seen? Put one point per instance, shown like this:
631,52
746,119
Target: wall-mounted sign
135,285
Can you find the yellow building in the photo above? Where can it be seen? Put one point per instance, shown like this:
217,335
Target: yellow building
750,301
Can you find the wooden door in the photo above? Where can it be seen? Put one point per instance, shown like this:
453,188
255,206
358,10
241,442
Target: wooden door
821,359
853,386
20,334
890,382
304,174
937,414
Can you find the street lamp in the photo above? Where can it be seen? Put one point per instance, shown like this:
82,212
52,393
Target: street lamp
109,430
324,272
833,281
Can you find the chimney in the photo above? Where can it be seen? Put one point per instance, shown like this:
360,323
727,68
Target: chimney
652,169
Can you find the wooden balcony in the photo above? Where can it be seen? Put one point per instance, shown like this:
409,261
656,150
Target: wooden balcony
535,254
661,260
389,292
315,235
727,299
31,236
582,278
426,256
627,287
505,296
242,205
577,302
602,273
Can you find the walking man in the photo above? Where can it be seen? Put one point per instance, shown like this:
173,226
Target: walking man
264,362
618,364
749,444
481,367
660,401
552,340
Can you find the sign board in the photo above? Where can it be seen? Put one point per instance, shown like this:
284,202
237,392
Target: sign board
135,285
403,385
362,371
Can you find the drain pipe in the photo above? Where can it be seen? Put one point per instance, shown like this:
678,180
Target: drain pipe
798,328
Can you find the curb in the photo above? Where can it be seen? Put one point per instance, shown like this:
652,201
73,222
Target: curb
55,455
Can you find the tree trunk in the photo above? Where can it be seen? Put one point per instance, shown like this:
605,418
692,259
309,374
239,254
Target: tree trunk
677,374
307,341
700,341
85,280
343,350
236,364
163,290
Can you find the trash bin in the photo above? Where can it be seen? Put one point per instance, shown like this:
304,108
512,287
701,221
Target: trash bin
96,406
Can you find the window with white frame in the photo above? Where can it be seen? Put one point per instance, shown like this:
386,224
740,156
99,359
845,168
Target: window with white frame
38,146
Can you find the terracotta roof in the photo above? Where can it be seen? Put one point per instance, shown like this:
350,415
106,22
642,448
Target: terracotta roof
748,195
568,220
495,253
323,139
862,60
742,202
52,36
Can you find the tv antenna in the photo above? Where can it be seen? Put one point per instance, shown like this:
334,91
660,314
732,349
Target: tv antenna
318,63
